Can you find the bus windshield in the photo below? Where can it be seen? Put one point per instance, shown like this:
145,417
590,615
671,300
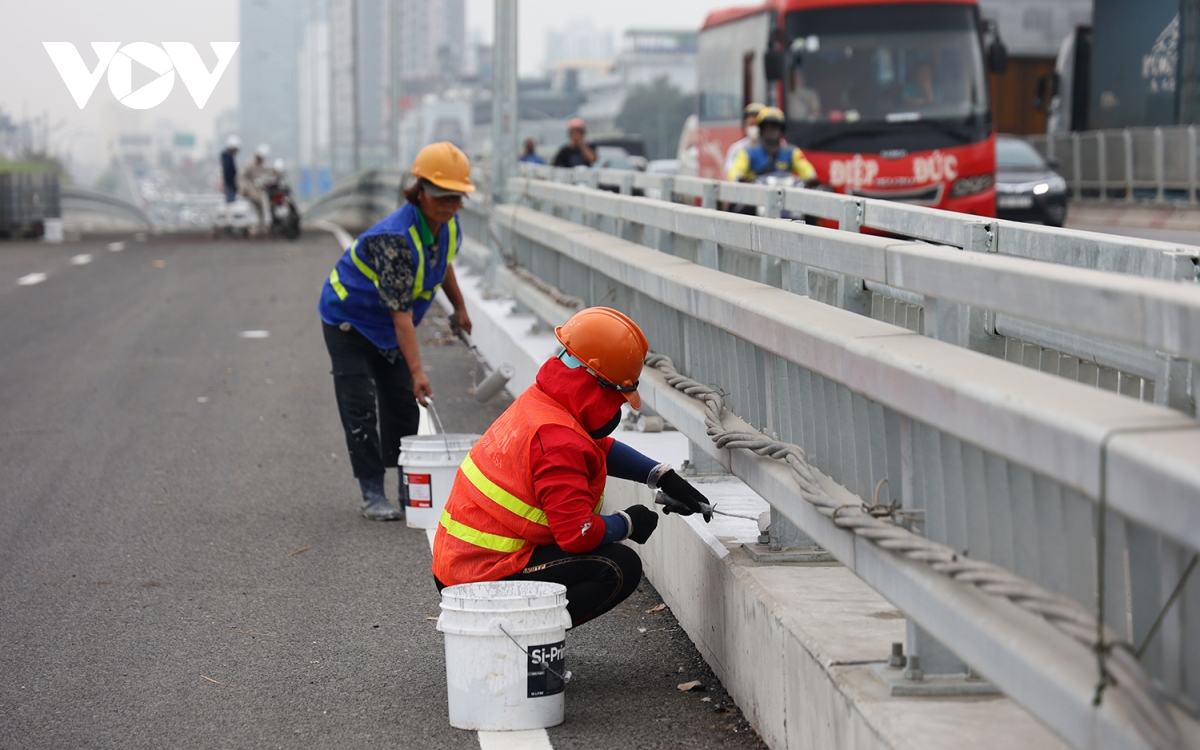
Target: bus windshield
884,64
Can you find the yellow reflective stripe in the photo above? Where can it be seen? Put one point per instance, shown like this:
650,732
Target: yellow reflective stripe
337,285
479,538
500,496
366,270
419,279
453,242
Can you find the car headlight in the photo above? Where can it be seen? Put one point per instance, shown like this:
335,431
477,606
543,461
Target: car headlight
972,185
1055,185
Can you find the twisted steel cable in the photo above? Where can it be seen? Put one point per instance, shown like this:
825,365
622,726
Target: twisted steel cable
1120,669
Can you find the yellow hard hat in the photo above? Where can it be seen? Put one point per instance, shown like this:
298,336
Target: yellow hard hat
771,114
445,166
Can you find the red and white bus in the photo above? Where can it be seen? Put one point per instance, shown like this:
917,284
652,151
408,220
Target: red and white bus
887,98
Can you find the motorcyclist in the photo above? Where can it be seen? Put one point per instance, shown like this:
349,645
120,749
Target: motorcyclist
749,133
771,154
252,179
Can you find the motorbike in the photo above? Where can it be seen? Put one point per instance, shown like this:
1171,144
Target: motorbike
285,219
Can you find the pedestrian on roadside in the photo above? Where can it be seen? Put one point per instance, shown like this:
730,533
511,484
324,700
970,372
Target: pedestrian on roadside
526,501
577,152
370,307
229,167
530,155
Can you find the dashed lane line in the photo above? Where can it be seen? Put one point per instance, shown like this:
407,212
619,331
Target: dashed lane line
527,739
82,259
30,279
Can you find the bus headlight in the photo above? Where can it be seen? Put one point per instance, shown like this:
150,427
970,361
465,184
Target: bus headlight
972,185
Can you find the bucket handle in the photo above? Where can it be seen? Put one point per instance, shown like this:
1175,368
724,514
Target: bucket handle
438,421
565,676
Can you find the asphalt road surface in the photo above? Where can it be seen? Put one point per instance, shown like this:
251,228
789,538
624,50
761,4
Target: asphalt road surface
182,563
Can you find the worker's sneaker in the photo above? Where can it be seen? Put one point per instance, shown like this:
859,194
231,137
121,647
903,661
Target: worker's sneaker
381,510
375,505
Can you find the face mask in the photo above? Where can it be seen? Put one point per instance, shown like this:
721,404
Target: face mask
752,132
607,429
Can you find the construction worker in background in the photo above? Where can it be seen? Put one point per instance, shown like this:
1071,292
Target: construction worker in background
525,504
529,154
577,152
749,133
370,307
771,154
251,180
229,167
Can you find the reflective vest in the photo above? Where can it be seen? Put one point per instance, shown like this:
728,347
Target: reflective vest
351,293
760,160
493,519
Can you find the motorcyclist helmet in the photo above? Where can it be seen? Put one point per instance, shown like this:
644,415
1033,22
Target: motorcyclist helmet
771,116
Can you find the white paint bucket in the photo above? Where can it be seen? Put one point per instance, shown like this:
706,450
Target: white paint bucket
495,684
52,230
430,462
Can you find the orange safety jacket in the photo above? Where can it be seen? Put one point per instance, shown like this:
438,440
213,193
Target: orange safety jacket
493,520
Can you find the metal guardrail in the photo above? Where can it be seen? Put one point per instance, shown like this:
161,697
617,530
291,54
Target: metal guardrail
986,300
814,335
1154,164
358,201
77,200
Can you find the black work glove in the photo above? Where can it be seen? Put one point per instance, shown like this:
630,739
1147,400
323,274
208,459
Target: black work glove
642,522
680,490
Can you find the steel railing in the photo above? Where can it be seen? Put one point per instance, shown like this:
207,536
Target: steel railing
1133,164
814,337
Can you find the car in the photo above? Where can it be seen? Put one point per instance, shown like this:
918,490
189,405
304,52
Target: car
1027,187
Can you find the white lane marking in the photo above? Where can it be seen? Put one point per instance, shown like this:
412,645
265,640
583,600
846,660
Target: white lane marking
202,399
254,334
30,279
430,533
526,739
116,247
81,260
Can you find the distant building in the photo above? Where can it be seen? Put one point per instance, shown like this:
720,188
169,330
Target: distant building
271,35
580,40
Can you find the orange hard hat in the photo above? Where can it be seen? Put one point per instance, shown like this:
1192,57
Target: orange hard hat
444,165
610,346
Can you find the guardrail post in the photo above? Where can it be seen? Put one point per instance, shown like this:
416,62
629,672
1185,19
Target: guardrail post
1191,165
706,252
1159,166
1076,163
1127,140
666,238
1102,163
774,204
852,216
1171,384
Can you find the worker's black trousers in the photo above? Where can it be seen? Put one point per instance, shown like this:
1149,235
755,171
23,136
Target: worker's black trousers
374,397
596,581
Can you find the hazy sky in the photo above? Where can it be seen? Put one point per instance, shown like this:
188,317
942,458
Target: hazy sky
29,83
539,16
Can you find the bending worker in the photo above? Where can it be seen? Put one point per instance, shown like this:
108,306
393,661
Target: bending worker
372,303
526,501
771,154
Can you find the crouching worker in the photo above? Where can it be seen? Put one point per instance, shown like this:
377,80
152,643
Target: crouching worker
526,501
